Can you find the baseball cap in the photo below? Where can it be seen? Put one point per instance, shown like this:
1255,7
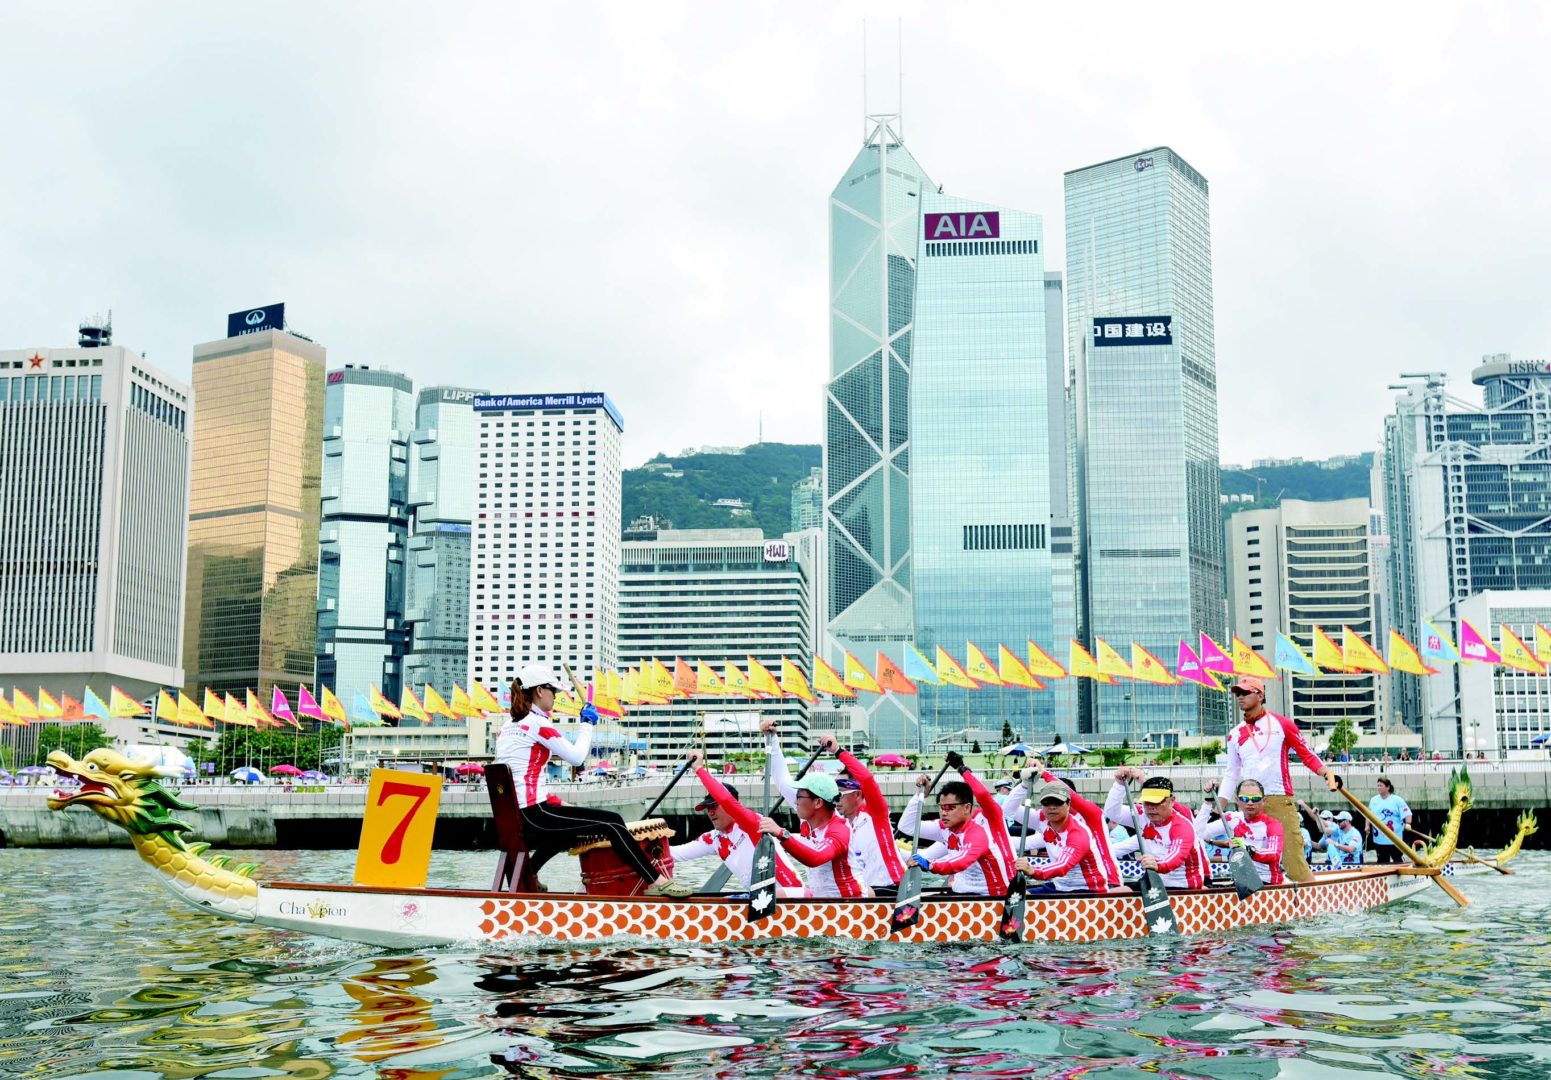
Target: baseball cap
1155,789
541,675
1345,815
1251,682
708,802
1054,790
845,783
1326,814
820,784
1004,785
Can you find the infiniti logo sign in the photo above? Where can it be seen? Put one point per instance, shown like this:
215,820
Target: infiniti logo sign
256,320
256,317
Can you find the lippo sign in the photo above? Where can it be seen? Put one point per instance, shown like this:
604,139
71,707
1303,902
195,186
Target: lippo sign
981,225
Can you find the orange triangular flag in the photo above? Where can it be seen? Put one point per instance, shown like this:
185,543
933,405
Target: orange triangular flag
1516,654
684,680
826,681
891,678
73,709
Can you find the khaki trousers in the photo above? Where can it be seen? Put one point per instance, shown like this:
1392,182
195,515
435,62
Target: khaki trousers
1285,810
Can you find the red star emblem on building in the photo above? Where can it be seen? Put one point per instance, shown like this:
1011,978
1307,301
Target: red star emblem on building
36,360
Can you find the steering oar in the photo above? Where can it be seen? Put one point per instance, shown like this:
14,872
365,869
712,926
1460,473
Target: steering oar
1373,819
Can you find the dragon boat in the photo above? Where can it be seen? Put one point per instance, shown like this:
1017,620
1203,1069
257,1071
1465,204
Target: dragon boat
127,793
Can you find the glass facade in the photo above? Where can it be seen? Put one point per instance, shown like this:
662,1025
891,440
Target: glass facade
874,220
253,513
367,419
982,480
441,502
1150,556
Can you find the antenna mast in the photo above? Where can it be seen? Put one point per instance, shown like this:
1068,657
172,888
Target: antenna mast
866,131
899,65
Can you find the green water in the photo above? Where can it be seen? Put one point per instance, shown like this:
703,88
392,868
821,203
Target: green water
103,971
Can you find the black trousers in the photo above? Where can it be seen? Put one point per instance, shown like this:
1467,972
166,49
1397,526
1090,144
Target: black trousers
1387,853
548,828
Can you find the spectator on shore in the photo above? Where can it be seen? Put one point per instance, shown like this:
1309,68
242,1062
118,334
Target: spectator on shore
1405,755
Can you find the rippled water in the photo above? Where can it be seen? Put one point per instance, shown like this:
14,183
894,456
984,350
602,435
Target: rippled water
102,970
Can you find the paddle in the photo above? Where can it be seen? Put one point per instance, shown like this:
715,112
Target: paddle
1013,907
1157,908
684,768
907,899
1467,856
762,890
1362,808
718,879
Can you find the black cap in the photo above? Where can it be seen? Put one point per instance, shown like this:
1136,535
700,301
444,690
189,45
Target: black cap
845,783
708,802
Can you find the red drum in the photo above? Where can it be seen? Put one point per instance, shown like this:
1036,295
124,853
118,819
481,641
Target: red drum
603,874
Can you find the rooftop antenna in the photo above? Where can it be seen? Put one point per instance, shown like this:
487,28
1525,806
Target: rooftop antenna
899,67
866,130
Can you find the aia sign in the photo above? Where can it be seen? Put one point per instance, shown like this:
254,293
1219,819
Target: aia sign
984,225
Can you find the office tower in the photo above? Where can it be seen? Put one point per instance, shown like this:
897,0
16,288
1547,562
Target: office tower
1298,566
254,507
808,501
1144,404
94,476
367,419
1468,506
874,219
719,596
442,462
545,585
984,487
1502,709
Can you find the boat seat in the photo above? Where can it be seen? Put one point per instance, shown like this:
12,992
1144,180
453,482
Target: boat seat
517,870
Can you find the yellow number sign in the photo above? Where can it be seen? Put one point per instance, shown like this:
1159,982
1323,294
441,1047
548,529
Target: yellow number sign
397,829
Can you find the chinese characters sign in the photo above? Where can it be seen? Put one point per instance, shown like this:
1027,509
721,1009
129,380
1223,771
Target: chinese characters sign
1133,330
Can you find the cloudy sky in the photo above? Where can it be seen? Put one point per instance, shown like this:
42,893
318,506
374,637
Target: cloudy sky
632,197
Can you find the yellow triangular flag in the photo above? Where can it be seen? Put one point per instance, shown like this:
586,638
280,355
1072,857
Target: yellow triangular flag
1542,644
978,666
951,673
214,708
761,680
1404,657
1327,654
8,713
794,682
462,704
1359,654
1081,664
1145,667
736,682
826,681
658,679
484,700
25,707
435,704
189,714
258,714
707,681
409,705
607,704
1247,661
166,708
1111,662
121,704
382,706
1516,654
567,704
236,715
1042,665
859,678
1012,671
48,707
333,709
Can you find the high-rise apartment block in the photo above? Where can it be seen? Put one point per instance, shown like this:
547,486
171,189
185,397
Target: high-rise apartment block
1144,407
808,501
1468,508
545,585
254,507
367,419
94,490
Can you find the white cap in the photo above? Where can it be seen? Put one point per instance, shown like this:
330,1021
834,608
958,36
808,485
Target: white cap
1345,815
541,675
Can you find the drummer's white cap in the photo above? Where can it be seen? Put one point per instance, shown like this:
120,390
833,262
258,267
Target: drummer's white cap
542,675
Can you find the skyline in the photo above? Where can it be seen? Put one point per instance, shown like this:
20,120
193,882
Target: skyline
367,171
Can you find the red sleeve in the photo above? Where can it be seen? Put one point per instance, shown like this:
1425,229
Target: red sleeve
1077,849
1294,738
747,819
1182,837
975,846
986,799
837,838
877,805
1274,838
1090,811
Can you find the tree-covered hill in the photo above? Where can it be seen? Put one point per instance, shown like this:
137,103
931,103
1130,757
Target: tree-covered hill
761,476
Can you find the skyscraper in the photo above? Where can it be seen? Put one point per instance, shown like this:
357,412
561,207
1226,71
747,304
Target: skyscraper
984,489
254,507
442,464
1144,404
362,637
545,585
94,473
808,501
874,217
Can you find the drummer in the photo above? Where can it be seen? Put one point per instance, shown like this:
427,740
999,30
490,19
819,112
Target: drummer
525,745
732,839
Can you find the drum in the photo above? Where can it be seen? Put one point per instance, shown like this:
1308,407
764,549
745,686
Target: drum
603,874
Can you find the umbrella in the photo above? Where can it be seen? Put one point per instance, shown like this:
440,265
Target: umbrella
1019,749
1542,738
604,769
470,767
639,770
285,770
34,770
248,775
4,773
314,774
1066,748
891,761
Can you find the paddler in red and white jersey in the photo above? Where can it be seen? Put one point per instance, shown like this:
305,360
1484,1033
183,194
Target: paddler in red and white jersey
986,809
1074,864
734,835
1260,832
525,745
965,854
824,844
1091,813
1166,833
874,856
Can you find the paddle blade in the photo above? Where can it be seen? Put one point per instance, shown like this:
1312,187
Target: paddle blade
1246,879
762,894
907,902
717,881
1010,928
1157,908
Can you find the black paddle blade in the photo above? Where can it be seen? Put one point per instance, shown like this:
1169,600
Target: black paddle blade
907,902
1241,868
1011,926
1157,908
762,893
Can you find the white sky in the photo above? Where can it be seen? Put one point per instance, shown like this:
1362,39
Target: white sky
633,197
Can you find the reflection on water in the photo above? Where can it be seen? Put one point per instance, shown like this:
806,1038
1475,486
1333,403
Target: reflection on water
105,972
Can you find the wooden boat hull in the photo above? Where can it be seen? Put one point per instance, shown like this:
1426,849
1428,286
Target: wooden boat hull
434,916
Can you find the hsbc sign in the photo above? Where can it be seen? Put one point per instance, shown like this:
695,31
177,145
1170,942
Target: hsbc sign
982,225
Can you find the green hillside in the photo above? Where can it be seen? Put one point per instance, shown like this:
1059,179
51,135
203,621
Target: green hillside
1273,483
762,476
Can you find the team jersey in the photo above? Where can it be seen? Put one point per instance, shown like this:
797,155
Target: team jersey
874,857
526,746
1180,854
968,859
1393,811
826,851
932,832
1091,813
735,847
1258,749
1263,837
1338,857
1074,864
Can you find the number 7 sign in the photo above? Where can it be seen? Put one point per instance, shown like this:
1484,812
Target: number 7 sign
397,828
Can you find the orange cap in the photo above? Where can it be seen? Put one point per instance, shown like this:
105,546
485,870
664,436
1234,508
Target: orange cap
1251,682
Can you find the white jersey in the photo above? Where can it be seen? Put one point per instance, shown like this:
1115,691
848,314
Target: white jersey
526,746
736,851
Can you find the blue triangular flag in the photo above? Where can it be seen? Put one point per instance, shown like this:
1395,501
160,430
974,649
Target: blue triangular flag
1436,646
95,708
361,714
1291,658
918,668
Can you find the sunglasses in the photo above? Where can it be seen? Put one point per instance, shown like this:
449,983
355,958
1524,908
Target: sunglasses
1251,798
1241,692
950,805
1052,802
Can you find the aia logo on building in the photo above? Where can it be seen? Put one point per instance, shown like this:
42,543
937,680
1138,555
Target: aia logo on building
986,225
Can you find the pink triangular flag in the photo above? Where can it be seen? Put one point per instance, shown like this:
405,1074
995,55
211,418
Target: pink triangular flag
1213,658
1189,667
280,708
307,705
1472,646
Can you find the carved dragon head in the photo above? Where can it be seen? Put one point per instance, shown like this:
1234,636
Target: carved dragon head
121,790
1459,788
